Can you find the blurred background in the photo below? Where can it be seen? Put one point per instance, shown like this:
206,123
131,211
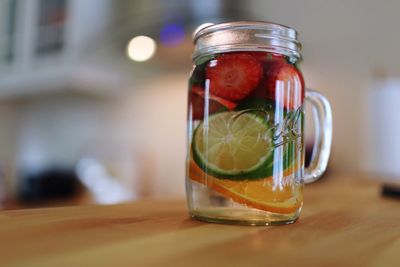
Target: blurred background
92,113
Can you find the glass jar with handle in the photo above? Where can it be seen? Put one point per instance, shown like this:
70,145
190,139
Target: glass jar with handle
245,160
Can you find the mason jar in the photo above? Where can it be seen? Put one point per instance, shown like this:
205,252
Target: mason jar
246,105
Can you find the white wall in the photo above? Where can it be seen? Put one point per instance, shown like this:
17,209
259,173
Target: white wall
153,114
56,129
59,129
138,134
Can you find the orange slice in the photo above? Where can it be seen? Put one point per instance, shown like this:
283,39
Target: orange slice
260,194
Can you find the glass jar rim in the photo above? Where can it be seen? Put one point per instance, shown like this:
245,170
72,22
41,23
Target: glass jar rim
246,36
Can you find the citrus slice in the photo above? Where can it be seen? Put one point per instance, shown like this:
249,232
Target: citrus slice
261,194
234,145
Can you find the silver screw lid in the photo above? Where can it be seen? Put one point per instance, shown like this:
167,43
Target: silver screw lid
246,36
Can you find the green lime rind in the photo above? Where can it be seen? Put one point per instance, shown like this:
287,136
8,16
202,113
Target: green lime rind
260,171
198,74
256,103
204,60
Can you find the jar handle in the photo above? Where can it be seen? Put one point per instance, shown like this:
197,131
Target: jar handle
322,113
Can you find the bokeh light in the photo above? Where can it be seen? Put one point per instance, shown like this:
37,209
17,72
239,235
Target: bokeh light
172,35
141,48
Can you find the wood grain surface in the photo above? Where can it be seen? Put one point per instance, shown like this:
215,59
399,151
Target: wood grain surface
345,222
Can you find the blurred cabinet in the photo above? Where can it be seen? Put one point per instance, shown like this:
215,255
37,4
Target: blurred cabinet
43,43
7,31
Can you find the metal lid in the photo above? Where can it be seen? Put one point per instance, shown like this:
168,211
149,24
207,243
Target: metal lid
246,36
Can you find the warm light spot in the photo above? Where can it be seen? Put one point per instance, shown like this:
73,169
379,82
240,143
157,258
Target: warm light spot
141,48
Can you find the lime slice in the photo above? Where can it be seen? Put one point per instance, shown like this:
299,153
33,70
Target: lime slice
234,145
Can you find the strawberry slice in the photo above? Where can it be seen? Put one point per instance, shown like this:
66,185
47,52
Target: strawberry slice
233,76
283,83
226,103
197,106
215,103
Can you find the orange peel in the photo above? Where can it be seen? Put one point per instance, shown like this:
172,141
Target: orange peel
259,194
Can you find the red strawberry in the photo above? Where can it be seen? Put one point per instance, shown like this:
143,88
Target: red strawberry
197,102
226,103
283,83
197,106
233,76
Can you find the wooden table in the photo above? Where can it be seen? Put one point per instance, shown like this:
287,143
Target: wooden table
345,222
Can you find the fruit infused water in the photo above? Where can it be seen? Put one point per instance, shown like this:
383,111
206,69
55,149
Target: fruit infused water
245,138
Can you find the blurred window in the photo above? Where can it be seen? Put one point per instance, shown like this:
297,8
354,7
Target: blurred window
7,30
52,20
